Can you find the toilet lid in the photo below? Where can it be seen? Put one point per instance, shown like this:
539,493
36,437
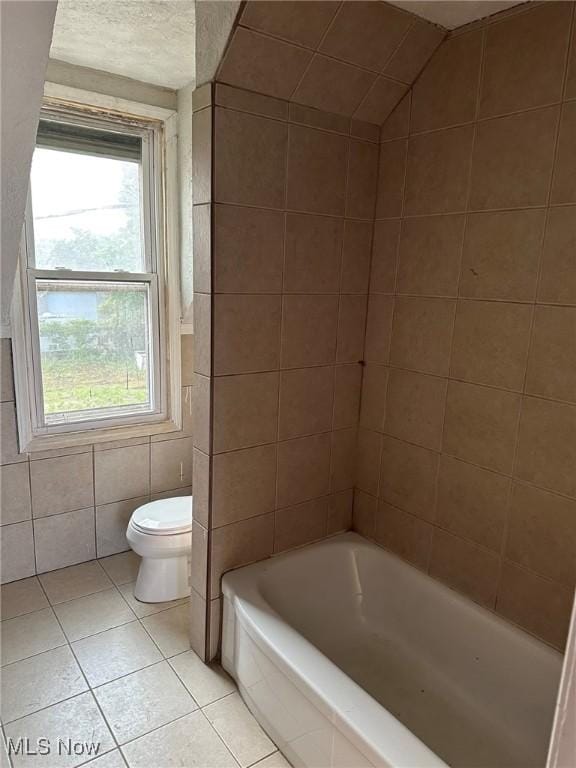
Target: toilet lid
164,516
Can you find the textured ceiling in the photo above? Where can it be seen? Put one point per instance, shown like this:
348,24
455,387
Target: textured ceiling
148,40
454,13
371,49
355,59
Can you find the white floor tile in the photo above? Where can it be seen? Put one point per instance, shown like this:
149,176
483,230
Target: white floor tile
75,581
206,682
145,609
74,725
112,759
121,568
149,704
170,629
30,634
190,742
86,616
116,652
38,682
20,597
239,730
147,699
4,761
275,760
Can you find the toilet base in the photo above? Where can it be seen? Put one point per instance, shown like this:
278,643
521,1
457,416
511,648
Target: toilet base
162,579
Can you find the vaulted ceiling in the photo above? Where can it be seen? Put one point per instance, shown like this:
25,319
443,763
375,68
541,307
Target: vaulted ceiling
173,43
454,13
147,40
355,58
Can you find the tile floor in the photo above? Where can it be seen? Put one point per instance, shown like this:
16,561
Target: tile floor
83,660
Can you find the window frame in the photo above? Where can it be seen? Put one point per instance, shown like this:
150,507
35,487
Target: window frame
158,129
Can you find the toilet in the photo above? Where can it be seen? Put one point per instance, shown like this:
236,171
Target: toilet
161,533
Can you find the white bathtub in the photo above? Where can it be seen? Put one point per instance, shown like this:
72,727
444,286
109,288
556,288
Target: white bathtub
349,657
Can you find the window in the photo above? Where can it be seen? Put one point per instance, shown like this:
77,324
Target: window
93,301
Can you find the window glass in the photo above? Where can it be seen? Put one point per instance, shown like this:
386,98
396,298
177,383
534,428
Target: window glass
86,212
95,333
94,348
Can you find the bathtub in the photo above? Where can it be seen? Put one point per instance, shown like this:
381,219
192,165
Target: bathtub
349,657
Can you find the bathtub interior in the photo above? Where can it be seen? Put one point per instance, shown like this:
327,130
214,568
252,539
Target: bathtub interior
473,688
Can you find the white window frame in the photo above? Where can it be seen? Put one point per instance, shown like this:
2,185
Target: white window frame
158,128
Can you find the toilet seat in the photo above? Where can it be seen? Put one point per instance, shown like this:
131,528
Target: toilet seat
165,517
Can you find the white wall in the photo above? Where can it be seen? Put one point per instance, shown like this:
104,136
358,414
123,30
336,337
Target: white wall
25,36
214,22
107,84
185,202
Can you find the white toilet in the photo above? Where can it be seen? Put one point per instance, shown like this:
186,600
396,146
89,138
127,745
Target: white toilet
161,533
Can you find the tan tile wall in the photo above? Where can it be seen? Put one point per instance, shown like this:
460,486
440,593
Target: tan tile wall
282,314
347,58
297,191
62,507
204,611
467,443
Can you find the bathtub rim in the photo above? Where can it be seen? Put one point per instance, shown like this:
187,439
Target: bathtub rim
319,678
349,707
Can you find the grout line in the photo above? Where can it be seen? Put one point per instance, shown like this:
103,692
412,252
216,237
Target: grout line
68,643
396,268
460,271
342,229
316,49
5,745
220,737
297,122
485,119
91,688
63,644
54,704
93,465
101,754
483,467
366,317
478,299
571,54
204,640
78,450
414,21
427,214
471,542
175,720
261,759
127,674
493,19
477,211
79,666
218,698
281,344
459,592
403,368
317,52
515,459
119,745
32,526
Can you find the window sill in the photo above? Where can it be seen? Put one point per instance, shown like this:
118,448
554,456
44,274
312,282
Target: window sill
99,435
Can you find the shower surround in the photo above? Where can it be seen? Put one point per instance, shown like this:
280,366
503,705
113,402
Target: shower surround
451,229
286,148
467,440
